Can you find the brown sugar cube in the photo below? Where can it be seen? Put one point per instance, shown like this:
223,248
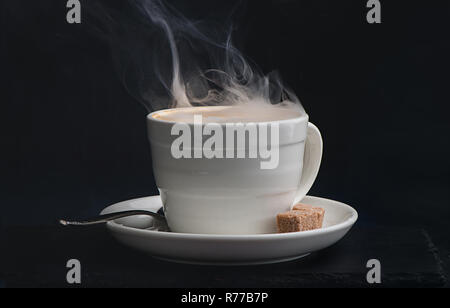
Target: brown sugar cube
303,220
295,221
317,210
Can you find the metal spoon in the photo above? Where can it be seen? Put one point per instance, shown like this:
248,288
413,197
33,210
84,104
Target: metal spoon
113,216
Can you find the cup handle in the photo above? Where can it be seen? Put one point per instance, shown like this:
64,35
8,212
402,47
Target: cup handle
311,161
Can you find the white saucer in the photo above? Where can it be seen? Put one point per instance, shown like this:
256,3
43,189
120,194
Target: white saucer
139,232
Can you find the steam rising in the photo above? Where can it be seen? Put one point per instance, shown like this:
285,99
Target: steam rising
166,60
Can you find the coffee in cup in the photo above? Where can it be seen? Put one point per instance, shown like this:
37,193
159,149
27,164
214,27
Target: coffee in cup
226,194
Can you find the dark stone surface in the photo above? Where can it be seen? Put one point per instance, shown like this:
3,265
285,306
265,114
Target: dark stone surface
36,257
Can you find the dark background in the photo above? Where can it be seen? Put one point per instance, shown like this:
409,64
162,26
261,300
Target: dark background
74,140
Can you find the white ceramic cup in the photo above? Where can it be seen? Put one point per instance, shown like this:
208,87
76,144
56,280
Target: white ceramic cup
234,196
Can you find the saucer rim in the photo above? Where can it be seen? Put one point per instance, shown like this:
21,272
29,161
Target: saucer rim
348,223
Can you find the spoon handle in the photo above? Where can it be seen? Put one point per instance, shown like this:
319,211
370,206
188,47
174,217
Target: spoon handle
108,217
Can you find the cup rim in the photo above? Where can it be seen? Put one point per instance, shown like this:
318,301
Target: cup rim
151,117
